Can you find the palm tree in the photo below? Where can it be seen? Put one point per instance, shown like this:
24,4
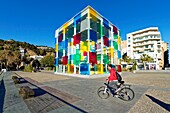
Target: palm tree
145,59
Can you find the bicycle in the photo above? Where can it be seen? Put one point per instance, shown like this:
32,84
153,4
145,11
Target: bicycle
123,91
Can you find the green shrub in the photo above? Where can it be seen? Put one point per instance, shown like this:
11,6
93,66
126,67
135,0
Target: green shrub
49,68
28,68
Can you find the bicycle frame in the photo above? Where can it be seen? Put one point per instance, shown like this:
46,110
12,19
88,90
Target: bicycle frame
121,86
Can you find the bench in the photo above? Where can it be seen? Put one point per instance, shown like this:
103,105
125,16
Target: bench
15,79
26,92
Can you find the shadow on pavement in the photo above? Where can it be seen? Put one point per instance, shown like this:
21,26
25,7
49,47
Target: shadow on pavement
162,104
2,95
41,93
22,81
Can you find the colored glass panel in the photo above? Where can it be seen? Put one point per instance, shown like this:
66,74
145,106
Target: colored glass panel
65,60
119,54
115,45
56,61
106,41
77,39
105,59
119,40
84,68
115,36
60,38
115,30
93,12
92,58
64,27
93,35
56,47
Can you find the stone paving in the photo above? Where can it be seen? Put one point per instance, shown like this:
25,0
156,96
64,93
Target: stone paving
153,101
152,92
12,102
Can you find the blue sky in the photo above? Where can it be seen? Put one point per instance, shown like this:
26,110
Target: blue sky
35,21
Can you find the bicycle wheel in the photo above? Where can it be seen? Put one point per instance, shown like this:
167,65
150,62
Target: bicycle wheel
126,94
102,94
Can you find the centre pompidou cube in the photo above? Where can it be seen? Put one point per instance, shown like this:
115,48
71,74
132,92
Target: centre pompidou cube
86,44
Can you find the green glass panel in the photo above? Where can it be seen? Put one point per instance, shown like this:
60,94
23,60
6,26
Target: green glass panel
85,43
77,51
115,36
115,46
101,30
105,59
76,60
99,57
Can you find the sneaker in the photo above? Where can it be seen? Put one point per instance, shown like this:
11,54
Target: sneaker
116,96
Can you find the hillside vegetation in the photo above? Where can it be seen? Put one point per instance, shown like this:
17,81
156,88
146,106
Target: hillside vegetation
10,52
30,48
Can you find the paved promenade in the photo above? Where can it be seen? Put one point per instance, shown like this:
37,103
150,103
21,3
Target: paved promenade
66,94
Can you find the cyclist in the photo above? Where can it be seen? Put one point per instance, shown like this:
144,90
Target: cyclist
112,79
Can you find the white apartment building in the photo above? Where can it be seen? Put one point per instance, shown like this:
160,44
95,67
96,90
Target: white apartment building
146,41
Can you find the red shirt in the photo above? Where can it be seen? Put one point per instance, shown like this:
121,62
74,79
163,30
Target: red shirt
112,75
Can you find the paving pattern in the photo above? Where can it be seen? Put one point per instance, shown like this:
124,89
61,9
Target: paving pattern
46,98
64,94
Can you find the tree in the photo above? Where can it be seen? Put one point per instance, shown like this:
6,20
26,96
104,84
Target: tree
146,59
36,64
47,61
127,59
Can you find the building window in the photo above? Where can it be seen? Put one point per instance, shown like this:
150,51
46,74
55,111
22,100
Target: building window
128,40
128,45
128,37
151,36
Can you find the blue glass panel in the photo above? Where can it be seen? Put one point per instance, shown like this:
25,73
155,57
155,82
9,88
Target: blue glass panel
77,19
84,69
119,54
56,61
93,35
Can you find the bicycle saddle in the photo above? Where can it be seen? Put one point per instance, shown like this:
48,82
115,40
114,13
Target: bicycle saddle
122,82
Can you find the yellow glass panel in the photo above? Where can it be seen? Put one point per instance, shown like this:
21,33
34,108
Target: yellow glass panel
56,47
68,68
93,12
112,53
99,68
85,48
81,51
81,45
92,72
71,44
64,27
119,40
93,43
82,57
88,46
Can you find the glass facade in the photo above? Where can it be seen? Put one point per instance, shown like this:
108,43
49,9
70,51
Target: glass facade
87,44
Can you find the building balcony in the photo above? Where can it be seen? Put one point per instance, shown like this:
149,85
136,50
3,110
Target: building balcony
147,34
143,44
